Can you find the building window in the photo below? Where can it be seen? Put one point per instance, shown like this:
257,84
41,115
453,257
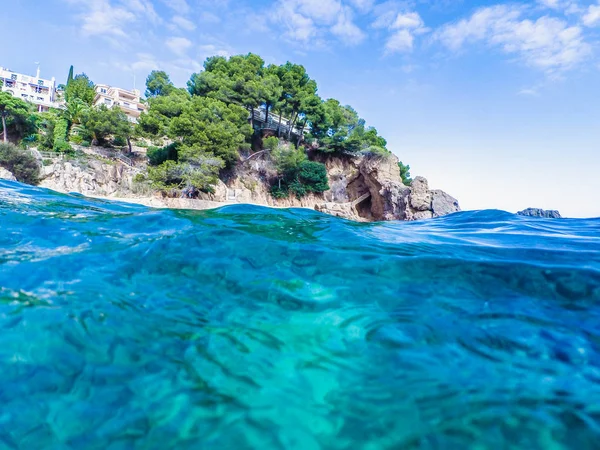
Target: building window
41,98
107,101
102,91
41,82
126,104
13,77
24,95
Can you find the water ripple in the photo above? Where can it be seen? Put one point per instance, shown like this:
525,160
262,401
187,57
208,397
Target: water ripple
245,327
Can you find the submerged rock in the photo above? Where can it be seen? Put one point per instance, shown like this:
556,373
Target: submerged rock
537,212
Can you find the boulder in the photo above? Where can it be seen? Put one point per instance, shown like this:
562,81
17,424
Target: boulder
6,175
443,204
537,212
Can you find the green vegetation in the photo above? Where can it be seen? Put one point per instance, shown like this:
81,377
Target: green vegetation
405,174
158,83
158,155
82,88
14,113
209,124
20,163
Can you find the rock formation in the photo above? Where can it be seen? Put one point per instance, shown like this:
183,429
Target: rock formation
361,188
91,177
6,175
537,212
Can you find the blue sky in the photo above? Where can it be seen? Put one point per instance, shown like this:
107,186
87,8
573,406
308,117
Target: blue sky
496,103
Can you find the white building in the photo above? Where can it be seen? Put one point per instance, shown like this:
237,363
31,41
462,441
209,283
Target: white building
39,91
128,101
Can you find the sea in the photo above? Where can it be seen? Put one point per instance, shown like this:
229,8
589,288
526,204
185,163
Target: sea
126,327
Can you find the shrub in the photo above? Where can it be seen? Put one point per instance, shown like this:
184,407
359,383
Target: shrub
279,192
405,174
119,141
60,135
139,178
62,147
76,139
307,177
157,156
270,143
20,163
313,175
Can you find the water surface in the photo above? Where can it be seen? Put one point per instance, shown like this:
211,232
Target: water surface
123,327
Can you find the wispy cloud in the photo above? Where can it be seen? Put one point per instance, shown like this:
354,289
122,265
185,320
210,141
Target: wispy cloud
183,23
547,43
179,45
179,6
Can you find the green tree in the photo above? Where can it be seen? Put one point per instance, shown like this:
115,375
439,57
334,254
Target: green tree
298,92
162,109
13,109
20,163
405,174
158,83
70,76
208,126
100,123
45,126
82,88
272,90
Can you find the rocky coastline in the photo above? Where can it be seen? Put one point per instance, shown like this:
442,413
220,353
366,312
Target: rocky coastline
362,188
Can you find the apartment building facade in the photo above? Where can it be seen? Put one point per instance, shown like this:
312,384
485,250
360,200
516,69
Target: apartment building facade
36,90
129,101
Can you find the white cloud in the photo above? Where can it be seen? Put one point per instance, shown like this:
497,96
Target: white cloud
592,16
179,45
181,7
547,43
403,27
145,63
345,28
311,20
530,92
400,41
113,20
183,23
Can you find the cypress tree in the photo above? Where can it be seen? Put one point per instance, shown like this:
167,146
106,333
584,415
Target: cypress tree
70,77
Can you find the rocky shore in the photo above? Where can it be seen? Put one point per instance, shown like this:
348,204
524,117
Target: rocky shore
362,188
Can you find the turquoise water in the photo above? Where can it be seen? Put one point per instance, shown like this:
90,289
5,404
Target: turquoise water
123,327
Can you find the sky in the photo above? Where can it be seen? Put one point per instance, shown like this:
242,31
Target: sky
497,103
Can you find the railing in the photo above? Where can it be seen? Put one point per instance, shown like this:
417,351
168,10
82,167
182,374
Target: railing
46,155
124,159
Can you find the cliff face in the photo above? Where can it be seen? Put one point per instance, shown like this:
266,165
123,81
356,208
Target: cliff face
93,178
361,188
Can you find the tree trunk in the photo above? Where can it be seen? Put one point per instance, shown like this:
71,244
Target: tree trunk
267,115
301,136
5,137
292,123
129,145
279,126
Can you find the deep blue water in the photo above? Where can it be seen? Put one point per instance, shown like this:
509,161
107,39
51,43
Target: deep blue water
123,327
